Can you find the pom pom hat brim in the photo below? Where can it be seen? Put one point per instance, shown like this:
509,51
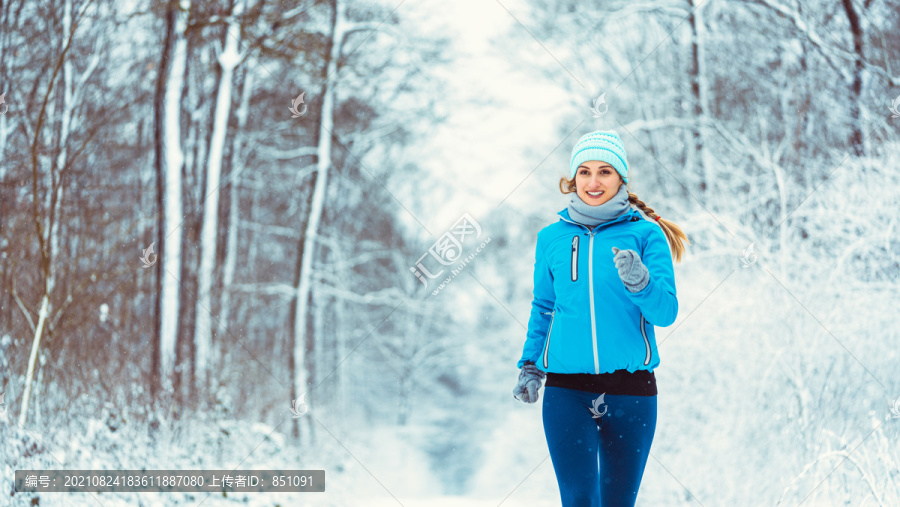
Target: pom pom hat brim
602,145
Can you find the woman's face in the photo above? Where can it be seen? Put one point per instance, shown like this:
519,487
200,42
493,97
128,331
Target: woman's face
593,177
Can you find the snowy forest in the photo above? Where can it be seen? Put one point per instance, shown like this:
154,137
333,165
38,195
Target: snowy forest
224,230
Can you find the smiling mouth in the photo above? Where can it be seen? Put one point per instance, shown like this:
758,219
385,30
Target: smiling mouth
595,195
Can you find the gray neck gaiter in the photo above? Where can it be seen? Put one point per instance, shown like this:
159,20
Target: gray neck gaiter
586,214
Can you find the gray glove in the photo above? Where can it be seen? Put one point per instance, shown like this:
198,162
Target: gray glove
631,270
529,382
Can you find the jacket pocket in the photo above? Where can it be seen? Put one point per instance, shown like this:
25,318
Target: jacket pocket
574,258
646,340
547,340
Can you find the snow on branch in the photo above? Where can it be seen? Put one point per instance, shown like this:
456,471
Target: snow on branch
272,152
654,7
661,123
356,27
828,49
846,457
22,306
278,289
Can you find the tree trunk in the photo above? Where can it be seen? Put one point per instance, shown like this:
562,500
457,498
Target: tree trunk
156,385
302,426
234,198
856,137
228,59
321,303
173,212
35,346
699,89
48,234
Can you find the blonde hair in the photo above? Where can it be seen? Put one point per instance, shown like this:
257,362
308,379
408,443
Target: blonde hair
673,233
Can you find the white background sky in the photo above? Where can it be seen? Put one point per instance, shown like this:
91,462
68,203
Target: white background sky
486,151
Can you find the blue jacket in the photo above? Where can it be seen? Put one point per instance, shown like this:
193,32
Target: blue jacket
583,319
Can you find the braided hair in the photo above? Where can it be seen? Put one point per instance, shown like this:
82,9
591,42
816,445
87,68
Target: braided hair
673,233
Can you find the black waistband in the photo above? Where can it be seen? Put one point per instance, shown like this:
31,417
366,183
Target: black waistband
639,383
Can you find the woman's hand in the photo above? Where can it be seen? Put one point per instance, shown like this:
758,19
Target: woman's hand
529,382
631,270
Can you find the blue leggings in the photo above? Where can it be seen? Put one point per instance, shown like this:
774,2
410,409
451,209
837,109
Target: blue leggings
599,462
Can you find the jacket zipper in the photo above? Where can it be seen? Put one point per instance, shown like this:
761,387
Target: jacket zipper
591,233
646,341
574,258
547,340
591,292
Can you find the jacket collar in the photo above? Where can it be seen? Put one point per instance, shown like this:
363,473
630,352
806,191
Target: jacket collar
627,216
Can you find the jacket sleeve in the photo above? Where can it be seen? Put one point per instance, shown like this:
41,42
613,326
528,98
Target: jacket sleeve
544,301
657,300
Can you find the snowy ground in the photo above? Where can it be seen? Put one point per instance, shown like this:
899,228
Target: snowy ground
388,470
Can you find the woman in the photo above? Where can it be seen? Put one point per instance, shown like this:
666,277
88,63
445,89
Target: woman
603,278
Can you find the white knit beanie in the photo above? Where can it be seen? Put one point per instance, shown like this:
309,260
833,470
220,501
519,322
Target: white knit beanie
602,145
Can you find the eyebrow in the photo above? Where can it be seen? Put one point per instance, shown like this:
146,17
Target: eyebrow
606,166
